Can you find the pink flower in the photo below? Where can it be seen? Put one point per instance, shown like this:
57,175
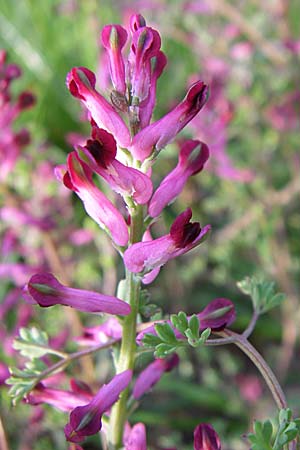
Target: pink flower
60,399
160,133
218,314
145,45
152,374
205,438
86,420
81,83
184,235
47,291
146,107
111,329
114,38
79,179
135,439
192,157
99,154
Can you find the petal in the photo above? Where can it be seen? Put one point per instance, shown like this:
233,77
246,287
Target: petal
47,291
114,38
86,420
159,134
184,235
81,83
205,438
218,314
99,154
172,185
136,438
96,204
152,374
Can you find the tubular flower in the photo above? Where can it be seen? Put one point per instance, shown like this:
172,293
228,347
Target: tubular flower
81,83
99,154
145,45
157,135
152,374
184,235
218,314
60,399
46,290
86,420
135,439
192,157
205,438
114,38
79,179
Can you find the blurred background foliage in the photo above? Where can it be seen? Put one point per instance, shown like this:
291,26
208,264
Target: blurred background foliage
255,221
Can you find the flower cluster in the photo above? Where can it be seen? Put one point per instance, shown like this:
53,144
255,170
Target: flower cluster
11,142
121,150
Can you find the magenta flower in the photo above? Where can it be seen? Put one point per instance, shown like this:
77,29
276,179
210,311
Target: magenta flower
205,438
114,38
99,154
152,374
63,400
46,290
192,157
184,235
158,134
145,45
135,439
218,314
86,420
109,330
81,83
146,107
79,179
11,141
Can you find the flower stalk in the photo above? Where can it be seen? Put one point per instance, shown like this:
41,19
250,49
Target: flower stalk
128,344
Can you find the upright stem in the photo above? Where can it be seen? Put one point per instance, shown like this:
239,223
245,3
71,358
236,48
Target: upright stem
128,345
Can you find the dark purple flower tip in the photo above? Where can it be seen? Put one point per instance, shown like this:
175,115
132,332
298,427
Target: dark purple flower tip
136,21
113,37
183,232
197,96
205,438
78,79
26,100
218,314
102,146
22,138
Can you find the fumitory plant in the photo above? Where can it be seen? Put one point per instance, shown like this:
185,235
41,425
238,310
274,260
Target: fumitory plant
121,153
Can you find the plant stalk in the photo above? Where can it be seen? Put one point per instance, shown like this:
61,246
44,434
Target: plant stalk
126,357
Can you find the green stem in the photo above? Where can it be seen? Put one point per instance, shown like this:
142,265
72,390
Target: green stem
128,345
261,365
